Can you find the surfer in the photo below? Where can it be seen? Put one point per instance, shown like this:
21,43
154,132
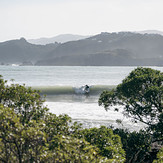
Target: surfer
86,89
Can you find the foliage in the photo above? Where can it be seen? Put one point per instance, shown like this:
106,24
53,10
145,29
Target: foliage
137,145
70,149
159,156
141,96
25,101
109,144
57,125
19,143
23,143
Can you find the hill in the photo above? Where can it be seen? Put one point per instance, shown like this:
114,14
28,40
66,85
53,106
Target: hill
105,49
150,32
60,38
19,51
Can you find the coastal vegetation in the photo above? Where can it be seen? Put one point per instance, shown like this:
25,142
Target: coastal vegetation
30,133
141,97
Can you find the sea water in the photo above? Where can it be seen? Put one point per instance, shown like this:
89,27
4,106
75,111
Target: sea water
60,82
65,75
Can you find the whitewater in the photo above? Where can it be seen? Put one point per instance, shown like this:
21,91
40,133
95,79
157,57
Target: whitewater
60,84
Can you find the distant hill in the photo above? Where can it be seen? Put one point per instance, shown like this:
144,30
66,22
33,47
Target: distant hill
60,38
123,48
105,49
19,51
150,32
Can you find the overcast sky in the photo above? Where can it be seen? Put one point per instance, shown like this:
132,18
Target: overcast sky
48,18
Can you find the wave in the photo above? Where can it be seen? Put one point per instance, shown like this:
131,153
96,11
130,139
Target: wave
69,90
72,94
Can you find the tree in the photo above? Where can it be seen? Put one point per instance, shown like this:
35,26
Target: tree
137,145
141,96
71,149
109,144
18,142
29,143
24,100
159,156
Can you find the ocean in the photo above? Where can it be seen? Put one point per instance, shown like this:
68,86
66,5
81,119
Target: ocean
62,85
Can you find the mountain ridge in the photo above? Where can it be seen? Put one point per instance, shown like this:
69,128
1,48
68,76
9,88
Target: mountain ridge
150,32
104,49
59,38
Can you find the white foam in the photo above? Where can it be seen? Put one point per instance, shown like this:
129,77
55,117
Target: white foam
90,114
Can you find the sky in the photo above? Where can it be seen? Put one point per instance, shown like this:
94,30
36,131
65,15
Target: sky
47,18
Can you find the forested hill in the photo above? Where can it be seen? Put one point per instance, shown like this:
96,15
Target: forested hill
105,49
19,51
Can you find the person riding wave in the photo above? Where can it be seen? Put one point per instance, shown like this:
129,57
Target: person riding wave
86,89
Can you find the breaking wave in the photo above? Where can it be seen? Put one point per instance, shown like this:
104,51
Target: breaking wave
59,90
72,94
